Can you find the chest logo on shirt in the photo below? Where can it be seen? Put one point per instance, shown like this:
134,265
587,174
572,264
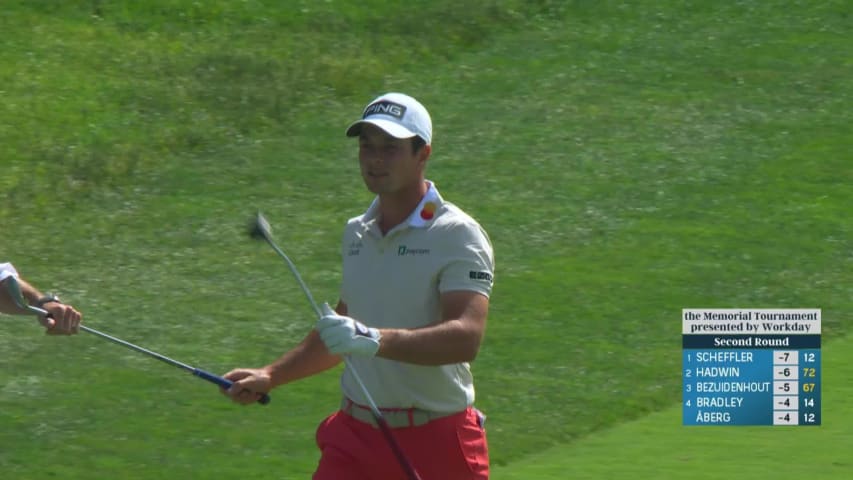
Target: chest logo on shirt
428,211
403,251
354,248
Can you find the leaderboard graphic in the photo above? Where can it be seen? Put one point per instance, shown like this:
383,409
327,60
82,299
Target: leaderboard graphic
751,366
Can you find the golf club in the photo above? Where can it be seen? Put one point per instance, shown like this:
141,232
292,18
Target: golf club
14,289
260,229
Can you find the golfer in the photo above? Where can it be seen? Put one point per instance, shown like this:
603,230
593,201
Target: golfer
417,275
61,320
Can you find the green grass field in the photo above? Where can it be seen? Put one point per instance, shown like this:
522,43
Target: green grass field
657,446
628,160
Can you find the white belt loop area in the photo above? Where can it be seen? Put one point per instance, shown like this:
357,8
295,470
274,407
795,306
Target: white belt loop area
396,417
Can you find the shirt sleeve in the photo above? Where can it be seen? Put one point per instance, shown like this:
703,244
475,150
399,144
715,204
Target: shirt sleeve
471,261
7,270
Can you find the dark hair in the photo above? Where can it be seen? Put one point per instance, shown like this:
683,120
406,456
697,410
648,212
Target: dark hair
417,143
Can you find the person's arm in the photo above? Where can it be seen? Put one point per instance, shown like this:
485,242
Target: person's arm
455,339
31,294
63,319
7,305
308,358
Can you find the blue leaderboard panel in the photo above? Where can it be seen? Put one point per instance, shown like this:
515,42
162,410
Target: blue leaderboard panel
751,366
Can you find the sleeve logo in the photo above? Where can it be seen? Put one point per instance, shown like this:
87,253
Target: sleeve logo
474,275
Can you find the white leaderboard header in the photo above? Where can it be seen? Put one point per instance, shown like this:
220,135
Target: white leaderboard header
761,321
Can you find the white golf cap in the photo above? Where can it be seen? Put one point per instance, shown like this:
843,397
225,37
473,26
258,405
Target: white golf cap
400,115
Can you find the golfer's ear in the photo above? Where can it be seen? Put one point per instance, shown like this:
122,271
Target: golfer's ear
424,153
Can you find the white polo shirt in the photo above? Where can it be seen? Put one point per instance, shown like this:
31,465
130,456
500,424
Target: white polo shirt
7,270
395,281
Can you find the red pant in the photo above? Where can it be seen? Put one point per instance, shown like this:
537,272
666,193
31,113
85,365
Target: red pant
448,448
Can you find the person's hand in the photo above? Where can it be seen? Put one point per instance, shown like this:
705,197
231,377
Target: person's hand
62,319
249,384
344,335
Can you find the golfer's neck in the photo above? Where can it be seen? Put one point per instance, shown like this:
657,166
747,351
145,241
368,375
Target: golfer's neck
396,207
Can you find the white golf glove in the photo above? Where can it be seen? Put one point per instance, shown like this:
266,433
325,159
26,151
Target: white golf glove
344,335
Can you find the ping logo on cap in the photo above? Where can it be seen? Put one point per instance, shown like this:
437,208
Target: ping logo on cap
384,107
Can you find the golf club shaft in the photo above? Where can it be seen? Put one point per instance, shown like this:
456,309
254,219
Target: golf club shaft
222,382
395,447
296,274
374,409
319,314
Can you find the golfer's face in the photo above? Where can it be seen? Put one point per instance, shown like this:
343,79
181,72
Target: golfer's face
387,163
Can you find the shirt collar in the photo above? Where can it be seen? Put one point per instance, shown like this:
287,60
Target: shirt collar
423,214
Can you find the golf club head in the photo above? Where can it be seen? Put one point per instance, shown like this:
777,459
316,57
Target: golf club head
259,228
14,289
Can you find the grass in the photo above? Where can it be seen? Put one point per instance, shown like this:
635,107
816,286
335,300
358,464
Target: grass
627,160
657,446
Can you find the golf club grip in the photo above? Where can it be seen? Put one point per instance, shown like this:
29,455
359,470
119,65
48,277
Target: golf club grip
395,447
225,383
